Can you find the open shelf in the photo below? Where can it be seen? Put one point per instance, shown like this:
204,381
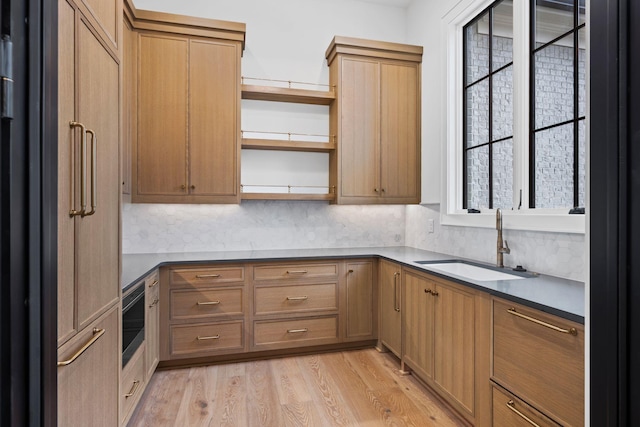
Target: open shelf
280,145
283,94
288,196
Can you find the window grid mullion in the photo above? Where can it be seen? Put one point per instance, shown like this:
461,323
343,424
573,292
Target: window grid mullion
490,108
576,107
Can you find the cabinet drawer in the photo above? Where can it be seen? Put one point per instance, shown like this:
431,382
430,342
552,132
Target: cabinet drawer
542,365
207,338
296,332
295,298
508,410
196,304
295,271
194,277
133,382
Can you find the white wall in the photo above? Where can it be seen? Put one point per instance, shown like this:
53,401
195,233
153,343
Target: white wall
287,39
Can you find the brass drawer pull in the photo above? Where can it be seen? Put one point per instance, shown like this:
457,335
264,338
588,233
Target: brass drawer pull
133,390
208,303
302,298
97,333
297,271
213,337
512,405
206,276
155,282
297,331
396,306
571,331
155,301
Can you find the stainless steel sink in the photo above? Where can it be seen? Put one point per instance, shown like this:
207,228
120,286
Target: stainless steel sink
472,271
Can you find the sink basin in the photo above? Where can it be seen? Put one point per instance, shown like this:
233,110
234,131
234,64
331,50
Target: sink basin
467,270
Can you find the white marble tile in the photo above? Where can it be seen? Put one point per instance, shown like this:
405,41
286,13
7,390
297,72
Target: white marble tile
556,254
257,225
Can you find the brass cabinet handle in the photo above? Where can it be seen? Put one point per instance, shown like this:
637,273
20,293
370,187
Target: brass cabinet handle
350,271
396,307
133,390
512,405
155,282
83,145
570,331
205,276
376,190
94,173
302,298
297,331
193,187
428,291
208,303
435,293
297,271
383,190
97,333
183,187
213,337
155,301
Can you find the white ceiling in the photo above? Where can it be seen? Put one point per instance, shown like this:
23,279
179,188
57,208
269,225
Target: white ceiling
396,3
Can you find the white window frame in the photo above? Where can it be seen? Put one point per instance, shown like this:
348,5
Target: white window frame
551,220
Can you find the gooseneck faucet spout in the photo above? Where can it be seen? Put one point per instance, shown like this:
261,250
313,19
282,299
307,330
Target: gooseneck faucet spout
500,250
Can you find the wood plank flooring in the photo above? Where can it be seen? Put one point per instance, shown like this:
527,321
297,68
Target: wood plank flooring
349,388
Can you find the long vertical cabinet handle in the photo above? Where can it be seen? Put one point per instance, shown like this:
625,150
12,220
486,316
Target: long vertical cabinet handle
94,172
397,275
83,143
395,292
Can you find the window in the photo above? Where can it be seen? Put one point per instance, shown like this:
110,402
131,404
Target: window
488,109
523,106
557,141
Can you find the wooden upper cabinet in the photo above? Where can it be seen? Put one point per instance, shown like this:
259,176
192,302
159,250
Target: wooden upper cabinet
376,117
186,132
161,163
213,118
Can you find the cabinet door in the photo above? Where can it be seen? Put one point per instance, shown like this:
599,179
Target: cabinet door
359,129
360,301
129,103
400,132
161,162
213,126
152,323
67,184
454,344
88,387
88,247
97,235
418,323
390,306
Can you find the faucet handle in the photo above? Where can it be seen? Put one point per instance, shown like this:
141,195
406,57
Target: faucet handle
506,248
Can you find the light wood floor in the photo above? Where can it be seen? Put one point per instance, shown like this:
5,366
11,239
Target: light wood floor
350,388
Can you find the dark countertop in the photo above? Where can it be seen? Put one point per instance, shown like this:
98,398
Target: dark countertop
562,297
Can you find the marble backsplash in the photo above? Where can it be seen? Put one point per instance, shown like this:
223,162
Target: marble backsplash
253,225
557,254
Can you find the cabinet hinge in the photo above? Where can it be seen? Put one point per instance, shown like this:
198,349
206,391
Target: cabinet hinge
6,78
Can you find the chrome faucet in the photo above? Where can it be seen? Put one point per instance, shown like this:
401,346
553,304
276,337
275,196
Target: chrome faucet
501,250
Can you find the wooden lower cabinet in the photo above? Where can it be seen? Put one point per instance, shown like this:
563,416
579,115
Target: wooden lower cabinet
390,286
278,334
88,385
446,342
361,300
206,338
152,323
540,358
510,411
133,382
